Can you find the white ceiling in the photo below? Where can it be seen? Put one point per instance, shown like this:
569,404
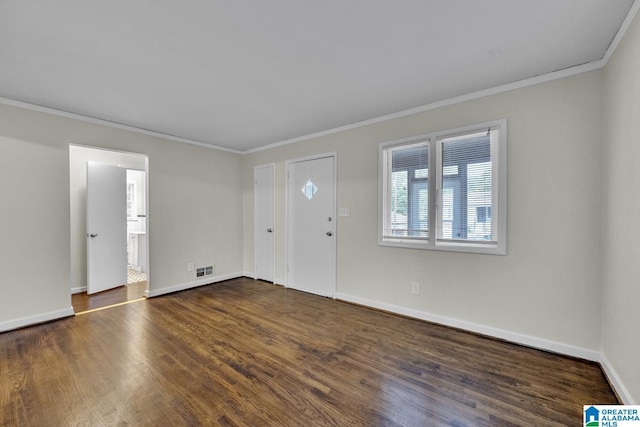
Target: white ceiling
243,74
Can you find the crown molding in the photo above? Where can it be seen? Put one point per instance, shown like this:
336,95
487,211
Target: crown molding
554,75
88,119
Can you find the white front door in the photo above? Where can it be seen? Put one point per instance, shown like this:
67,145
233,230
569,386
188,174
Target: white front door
311,240
263,231
106,227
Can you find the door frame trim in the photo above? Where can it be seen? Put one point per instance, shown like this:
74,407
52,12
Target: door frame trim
146,201
255,217
334,155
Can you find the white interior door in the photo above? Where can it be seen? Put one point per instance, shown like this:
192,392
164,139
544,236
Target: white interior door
106,227
311,240
263,232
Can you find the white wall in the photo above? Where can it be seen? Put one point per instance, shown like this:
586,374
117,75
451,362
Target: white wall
34,217
621,290
545,292
195,197
78,158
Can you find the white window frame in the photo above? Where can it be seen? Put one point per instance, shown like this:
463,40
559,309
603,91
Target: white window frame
498,244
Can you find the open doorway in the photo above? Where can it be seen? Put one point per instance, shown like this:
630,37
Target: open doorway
136,226
131,254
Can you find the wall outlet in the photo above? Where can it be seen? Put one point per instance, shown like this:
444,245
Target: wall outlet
200,272
191,266
415,288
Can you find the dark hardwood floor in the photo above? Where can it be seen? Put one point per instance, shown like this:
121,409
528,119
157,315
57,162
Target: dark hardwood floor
246,353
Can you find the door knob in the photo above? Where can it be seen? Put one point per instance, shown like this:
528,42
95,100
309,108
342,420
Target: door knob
93,235
329,233
269,230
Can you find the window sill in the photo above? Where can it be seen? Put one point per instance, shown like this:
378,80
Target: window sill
447,246
405,243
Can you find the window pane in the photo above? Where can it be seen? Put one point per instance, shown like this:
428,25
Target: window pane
418,217
467,192
406,195
450,170
399,191
479,201
447,212
422,173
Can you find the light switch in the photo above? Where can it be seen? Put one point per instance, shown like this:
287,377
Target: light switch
343,212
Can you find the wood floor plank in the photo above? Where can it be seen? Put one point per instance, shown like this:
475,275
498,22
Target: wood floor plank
243,352
83,302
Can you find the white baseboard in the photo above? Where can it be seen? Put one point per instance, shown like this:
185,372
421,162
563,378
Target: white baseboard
514,337
615,382
79,290
10,325
207,280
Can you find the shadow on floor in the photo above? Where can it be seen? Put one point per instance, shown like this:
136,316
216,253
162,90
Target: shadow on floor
130,292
